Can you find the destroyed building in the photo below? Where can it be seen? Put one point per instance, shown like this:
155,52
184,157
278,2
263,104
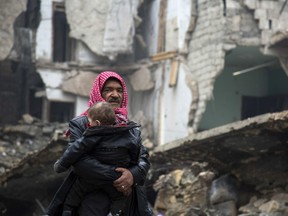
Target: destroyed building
192,68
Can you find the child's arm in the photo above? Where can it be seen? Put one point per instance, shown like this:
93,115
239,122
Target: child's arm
88,167
59,168
74,152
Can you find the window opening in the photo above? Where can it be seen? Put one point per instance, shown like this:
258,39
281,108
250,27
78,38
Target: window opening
61,111
63,45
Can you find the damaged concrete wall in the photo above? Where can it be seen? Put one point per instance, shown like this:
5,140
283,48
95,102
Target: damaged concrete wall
206,52
272,21
44,33
17,19
53,80
175,105
271,17
120,26
219,29
9,11
106,27
91,30
161,105
88,23
241,27
152,23
177,24
73,84
152,99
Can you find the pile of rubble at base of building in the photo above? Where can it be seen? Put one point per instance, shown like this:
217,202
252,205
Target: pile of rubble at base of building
197,191
28,151
239,168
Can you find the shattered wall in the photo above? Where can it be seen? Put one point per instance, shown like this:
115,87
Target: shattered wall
107,32
43,47
9,11
206,52
161,104
161,107
18,21
221,28
272,21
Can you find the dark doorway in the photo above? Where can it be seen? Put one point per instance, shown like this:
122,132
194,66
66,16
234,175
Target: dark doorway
253,106
35,104
61,111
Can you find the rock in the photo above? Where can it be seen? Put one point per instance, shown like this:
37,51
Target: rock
28,119
271,206
223,189
226,208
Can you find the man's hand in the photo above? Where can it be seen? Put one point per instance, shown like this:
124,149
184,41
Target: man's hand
127,192
124,182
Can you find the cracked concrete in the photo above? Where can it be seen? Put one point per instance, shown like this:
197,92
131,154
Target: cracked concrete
106,27
9,11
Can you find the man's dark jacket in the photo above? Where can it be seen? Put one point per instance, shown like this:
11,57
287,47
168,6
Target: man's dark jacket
90,168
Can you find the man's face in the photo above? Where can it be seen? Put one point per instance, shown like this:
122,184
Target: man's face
112,92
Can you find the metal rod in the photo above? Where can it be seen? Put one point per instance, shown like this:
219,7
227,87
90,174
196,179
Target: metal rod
252,68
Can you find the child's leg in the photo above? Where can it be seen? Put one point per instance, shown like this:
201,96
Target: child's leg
118,200
74,197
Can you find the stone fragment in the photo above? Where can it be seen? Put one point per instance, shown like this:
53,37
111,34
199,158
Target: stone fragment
271,206
27,118
142,80
226,208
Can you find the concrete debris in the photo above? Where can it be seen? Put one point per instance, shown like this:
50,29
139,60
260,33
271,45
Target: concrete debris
26,164
9,11
142,80
92,13
75,85
181,192
146,128
249,179
120,27
245,175
28,119
113,25
73,67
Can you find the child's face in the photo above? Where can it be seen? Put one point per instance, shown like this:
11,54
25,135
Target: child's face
90,121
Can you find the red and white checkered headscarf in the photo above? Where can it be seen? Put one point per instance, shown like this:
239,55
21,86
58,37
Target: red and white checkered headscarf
95,95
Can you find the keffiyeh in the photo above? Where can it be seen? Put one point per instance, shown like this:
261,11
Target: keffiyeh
95,95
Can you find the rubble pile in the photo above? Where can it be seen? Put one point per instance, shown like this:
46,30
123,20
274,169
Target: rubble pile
183,191
241,169
198,191
28,151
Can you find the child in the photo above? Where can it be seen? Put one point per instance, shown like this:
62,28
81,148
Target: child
109,144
